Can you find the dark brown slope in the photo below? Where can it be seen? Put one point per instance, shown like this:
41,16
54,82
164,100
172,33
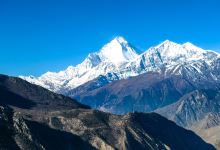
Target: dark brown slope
18,133
57,122
19,93
89,129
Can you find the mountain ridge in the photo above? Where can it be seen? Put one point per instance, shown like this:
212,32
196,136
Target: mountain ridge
199,111
56,124
124,64
149,91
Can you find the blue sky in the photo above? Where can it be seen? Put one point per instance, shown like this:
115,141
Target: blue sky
48,35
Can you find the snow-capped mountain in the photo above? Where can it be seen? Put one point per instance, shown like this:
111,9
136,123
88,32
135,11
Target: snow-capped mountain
119,60
169,55
111,58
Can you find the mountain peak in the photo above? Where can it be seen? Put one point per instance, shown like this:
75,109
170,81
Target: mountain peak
166,43
118,56
189,45
117,51
120,39
169,50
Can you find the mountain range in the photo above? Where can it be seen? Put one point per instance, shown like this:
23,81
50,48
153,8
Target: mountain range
168,70
179,81
32,117
119,60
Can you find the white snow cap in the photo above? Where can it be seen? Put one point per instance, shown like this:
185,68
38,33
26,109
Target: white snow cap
117,51
170,49
118,57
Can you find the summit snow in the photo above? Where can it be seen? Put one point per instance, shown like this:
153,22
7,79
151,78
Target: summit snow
117,51
119,60
110,58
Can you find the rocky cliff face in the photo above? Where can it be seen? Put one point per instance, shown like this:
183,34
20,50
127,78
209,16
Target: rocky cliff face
19,133
90,129
192,107
51,124
198,110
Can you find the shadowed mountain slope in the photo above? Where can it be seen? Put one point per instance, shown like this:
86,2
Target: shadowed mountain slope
199,111
57,122
20,93
142,93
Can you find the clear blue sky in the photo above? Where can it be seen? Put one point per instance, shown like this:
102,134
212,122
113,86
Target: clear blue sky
48,35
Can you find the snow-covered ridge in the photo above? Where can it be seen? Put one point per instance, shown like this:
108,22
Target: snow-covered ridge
118,57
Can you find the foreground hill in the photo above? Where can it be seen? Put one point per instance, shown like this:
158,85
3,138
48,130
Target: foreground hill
19,93
51,121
